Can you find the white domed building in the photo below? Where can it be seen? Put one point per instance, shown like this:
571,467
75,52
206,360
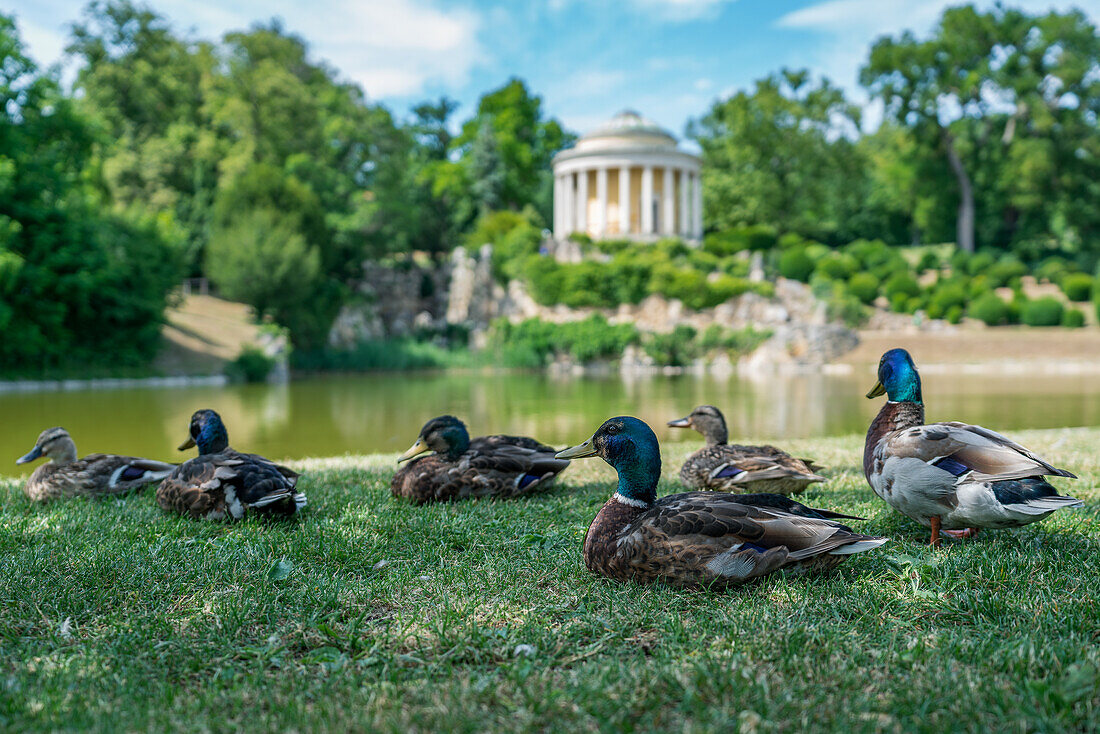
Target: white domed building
628,178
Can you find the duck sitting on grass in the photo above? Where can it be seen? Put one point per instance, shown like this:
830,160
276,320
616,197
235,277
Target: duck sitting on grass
223,484
736,468
699,539
461,468
95,475
950,477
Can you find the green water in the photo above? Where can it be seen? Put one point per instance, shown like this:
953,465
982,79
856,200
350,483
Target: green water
383,413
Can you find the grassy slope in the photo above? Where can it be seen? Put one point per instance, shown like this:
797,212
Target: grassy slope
175,624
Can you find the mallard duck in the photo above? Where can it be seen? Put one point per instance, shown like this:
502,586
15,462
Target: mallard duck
950,477
460,468
93,476
699,539
735,468
223,484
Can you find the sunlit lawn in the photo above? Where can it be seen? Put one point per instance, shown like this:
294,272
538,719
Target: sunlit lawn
369,613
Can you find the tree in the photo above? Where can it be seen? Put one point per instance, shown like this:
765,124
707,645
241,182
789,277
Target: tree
1007,101
78,286
782,155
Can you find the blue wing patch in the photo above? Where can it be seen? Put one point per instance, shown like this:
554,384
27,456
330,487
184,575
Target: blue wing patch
527,480
131,473
729,471
953,466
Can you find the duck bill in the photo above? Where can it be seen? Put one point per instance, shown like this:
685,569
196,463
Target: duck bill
188,444
877,390
581,451
680,423
34,453
416,449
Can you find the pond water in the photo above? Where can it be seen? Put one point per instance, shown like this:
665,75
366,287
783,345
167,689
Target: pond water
383,412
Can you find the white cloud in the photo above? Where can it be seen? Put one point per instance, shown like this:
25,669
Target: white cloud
390,47
845,29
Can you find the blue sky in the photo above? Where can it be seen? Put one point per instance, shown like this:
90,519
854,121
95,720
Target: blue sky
669,59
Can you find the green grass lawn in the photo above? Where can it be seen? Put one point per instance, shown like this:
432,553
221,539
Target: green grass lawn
369,613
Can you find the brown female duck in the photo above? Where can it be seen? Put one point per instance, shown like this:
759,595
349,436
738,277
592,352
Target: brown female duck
95,475
461,468
736,468
699,539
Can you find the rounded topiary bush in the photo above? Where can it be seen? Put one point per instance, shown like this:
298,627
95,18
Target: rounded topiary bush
1077,286
1046,311
1073,318
901,284
796,264
863,286
946,295
1007,271
954,314
837,266
990,308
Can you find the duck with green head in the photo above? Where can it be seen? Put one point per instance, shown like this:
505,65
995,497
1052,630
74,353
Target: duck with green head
737,468
223,484
699,539
96,475
951,477
458,467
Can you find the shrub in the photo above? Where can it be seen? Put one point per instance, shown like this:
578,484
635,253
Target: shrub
901,284
1073,318
863,286
676,348
1077,286
796,264
980,263
1046,311
954,314
537,341
730,241
1053,269
251,365
928,261
1006,272
837,266
947,294
990,308
741,341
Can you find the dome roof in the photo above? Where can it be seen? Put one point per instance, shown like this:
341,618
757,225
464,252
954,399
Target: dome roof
628,123
627,129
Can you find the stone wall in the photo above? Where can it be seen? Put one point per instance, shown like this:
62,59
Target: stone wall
462,292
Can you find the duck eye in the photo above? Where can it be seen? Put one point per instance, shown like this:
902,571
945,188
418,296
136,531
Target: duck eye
613,428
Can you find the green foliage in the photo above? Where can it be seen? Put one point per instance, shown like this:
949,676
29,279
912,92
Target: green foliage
1046,311
1006,272
730,241
837,266
80,285
251,365
381,354
535,342
863,286
796,264
1073,318
737,341
990,308
1077,286
945,296
901,285
676,348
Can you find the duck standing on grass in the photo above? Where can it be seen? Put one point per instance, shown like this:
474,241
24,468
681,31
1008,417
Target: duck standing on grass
461,468
699,539
950,477
223,484
95,475
735,468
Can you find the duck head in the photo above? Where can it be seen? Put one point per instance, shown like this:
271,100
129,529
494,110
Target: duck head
708,420
444,435
207,432
55,444
630,446
898,378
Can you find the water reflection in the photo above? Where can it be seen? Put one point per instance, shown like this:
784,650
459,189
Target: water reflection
362,414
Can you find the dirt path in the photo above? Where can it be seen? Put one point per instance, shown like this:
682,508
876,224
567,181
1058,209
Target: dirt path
202,333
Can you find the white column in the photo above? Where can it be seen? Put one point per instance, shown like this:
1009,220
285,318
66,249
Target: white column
559,205
647,200
601,197
624,201
668,212
582,202
684,228
698,207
